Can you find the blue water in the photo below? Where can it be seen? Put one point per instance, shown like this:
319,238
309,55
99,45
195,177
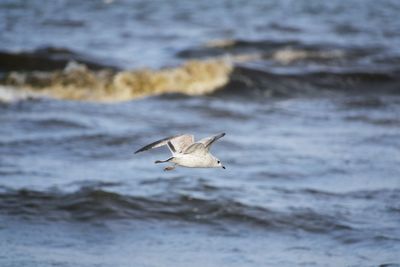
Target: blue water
311,148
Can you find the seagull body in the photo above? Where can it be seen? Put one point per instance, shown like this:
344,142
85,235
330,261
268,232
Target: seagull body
186,152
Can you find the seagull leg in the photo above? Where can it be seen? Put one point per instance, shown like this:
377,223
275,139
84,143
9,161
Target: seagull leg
168,168
163,161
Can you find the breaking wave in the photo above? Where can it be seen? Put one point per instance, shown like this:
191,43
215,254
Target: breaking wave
247,68
77,82
214,76
11,95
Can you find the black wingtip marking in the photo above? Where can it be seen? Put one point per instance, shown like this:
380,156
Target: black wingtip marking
150,146
142,149
171,146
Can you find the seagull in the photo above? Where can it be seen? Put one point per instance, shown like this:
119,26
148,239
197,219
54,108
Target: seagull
186,152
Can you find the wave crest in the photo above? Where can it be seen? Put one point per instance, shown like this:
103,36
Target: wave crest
77,82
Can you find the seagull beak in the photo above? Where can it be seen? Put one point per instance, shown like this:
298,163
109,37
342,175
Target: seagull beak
223,167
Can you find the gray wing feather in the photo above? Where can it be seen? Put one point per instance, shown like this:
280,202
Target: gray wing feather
208,141
182,142
196,148
179,142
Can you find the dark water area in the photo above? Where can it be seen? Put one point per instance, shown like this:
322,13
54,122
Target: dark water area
307,93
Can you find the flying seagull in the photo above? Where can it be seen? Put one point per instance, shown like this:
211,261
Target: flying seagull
186,152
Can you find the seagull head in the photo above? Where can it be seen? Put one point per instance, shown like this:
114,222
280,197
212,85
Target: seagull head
218,163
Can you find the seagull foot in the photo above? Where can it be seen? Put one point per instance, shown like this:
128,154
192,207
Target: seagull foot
169,168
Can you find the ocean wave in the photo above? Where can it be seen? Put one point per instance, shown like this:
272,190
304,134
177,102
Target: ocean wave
94,204
231,67
47,59
257,82
233,47
194,78
201,77
281,52
77,82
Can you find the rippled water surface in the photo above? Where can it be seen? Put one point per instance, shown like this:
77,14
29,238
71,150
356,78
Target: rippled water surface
307,93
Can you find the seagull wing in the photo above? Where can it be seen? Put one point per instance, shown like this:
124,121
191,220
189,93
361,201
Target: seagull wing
197,149
208,141
176,143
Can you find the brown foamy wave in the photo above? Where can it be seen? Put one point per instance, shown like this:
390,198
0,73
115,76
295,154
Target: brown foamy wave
77,82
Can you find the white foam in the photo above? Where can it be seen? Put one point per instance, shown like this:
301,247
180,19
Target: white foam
9,94
287,56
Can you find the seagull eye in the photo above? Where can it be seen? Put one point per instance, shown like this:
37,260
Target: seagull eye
219,162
